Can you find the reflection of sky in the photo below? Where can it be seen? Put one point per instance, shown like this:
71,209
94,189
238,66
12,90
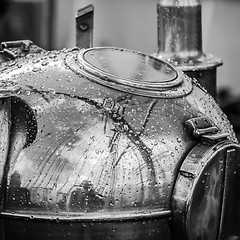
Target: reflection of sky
88,147
90,159
21,166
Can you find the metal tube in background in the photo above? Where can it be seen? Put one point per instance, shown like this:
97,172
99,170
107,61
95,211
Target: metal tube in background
180,41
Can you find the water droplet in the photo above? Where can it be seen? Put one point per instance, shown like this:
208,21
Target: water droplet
179,140
35,60
45,63
51,90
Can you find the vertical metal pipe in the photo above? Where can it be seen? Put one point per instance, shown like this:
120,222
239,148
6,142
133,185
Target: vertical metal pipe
180,41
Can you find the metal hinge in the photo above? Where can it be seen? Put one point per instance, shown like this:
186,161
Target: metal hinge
204,129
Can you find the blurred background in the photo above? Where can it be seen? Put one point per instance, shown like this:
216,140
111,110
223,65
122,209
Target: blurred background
129,24
124,23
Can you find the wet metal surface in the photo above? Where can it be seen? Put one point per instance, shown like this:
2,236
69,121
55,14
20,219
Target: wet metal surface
90,152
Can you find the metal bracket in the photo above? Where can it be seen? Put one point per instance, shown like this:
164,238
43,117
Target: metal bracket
84,27
16,49
202,127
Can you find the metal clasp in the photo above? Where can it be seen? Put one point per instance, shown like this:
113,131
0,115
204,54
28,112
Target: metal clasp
203,128
9,48
16,49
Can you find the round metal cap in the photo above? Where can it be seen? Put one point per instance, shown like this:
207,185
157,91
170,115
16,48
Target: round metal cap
131,68
130,71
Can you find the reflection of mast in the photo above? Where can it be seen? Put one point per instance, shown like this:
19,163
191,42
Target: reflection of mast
121,126
125,128
135,138
117,117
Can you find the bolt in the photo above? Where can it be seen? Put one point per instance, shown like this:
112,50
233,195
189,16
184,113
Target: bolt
83,27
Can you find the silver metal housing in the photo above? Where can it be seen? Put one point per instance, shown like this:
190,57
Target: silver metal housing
95,138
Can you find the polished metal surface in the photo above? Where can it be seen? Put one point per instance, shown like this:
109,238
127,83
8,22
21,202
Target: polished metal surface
203,190
141,74
180,41
230,218
200,199
95,142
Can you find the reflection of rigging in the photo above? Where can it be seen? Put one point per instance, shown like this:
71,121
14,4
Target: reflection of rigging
115,112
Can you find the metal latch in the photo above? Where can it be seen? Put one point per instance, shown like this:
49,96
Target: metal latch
15,49
203,128
10,49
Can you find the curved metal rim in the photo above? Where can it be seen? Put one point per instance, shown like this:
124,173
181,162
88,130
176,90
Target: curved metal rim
182,89
181,205
94,218
105,76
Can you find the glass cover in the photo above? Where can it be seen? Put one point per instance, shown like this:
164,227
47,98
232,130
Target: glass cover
125,64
